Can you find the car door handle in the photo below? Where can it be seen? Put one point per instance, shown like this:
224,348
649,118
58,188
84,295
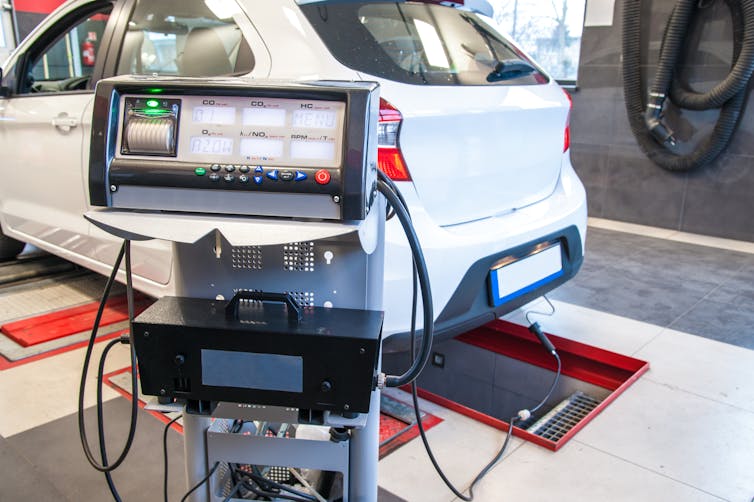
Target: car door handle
65,122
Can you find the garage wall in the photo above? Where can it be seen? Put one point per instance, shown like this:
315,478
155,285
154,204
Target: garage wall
29,13
621,183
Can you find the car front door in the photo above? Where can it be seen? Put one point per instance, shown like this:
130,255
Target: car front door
48,86
175,38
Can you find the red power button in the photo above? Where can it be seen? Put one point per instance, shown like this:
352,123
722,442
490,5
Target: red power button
322,176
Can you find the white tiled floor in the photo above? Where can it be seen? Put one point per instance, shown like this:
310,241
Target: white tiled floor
42,391
690,439
580,473
710,369
463,444
684,431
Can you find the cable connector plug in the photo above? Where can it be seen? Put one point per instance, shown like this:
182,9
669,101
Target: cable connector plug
537,330
523,415
125,339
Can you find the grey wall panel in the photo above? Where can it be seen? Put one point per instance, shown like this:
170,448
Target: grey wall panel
621,183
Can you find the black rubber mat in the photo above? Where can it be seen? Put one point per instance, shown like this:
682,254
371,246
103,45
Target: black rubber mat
47,462
55,453
20,480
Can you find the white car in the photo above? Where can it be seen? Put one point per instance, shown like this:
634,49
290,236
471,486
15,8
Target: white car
475,135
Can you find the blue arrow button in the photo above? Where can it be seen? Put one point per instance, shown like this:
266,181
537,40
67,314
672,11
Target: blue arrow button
300,176
258,170
258,180
273,175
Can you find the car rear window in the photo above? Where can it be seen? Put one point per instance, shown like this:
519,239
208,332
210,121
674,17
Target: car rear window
417,43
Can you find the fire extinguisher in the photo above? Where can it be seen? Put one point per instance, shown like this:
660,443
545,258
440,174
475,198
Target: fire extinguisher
87,53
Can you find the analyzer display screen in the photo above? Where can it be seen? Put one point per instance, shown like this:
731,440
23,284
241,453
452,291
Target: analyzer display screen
220,115
319,150
269,117
209,145
247,130
315,119
241,147
270,149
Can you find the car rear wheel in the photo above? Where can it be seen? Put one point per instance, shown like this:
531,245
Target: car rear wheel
9,248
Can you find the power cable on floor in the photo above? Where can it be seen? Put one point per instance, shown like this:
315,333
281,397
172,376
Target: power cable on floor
100,418
165,456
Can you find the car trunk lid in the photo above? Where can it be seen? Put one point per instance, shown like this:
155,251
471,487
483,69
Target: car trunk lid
476,152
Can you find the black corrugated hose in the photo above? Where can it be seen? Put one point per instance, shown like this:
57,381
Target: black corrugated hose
646,119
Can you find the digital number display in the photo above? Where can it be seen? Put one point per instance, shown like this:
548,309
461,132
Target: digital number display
313,150
259,147
215,146
222,115
263,130
268,117
315,119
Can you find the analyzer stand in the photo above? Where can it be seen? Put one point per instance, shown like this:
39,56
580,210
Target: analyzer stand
336,265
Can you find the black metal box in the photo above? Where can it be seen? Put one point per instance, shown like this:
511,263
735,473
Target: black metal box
261,353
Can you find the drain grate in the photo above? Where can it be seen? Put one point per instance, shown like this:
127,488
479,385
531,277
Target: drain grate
563,417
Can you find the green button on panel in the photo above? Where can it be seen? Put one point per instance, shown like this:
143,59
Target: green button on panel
200,171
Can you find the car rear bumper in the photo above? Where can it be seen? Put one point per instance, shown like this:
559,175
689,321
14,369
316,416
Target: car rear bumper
460,257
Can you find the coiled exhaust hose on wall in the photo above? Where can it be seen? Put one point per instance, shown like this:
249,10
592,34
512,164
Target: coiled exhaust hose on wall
646,118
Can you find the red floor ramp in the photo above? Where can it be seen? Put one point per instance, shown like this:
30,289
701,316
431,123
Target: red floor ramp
398,423
62,323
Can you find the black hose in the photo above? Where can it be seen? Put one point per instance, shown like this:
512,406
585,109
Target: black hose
646,119
421,269
165,456
101,420
125,250
742,14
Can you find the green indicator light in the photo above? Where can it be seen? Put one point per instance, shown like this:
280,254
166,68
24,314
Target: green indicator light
153,103
200,171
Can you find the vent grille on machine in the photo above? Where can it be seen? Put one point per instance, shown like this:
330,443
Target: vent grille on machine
247,257
298,257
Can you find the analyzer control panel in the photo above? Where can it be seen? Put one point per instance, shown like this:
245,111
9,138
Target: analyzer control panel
300,150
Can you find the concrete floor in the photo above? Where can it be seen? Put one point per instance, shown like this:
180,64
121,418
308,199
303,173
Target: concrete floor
684,431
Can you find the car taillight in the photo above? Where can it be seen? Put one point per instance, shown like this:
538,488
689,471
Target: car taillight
567,134
389,156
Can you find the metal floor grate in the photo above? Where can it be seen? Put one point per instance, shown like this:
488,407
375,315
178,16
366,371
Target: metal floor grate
564,417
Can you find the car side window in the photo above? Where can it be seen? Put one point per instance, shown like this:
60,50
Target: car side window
190,38
67,62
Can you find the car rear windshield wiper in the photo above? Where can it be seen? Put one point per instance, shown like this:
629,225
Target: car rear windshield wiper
509,69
